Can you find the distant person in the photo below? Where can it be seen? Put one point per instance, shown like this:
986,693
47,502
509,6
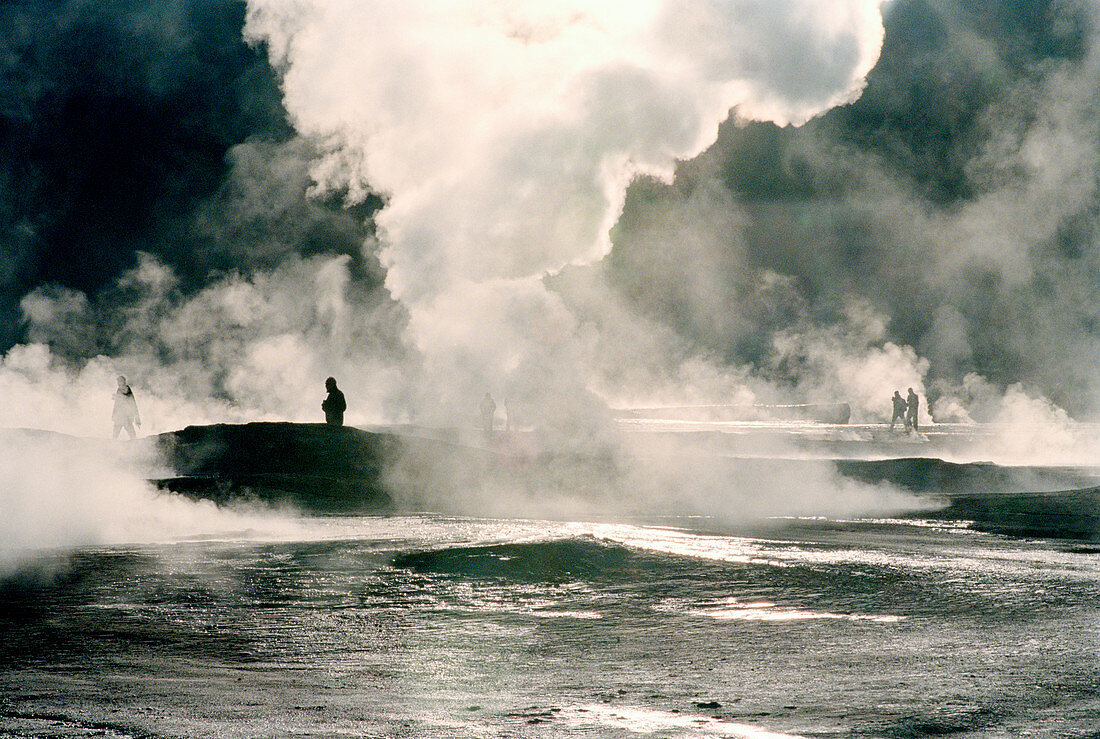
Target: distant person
125,413
488,410
911,404
899,410
334,405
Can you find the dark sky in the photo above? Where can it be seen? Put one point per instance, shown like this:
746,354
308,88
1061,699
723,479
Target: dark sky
118,127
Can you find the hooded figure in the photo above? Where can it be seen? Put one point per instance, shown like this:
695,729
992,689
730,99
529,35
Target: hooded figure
125,413
334,405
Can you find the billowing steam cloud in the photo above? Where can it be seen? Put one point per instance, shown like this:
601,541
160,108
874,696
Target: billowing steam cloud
944,224
426,203
503,139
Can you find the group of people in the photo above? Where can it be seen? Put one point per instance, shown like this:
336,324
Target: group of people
488,409
906,409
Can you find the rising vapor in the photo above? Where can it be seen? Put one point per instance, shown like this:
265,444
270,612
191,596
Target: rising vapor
542,202
945,221
504,139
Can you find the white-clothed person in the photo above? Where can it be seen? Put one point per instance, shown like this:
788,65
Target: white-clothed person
125,414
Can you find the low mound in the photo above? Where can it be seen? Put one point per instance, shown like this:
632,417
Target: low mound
561,560
935,476
1064,514
1056,502
312,466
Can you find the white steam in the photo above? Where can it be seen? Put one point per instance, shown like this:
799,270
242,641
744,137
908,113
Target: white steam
851,362
504,136
242,349
58,492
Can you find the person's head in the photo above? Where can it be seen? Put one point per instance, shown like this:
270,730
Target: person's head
897,392
910,391
330,384
121,382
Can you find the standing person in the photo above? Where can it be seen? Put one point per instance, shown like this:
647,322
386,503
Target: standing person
488,409
334,405
125,413
911,403
899,410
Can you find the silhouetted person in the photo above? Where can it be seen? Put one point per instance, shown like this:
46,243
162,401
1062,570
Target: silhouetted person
334,405
899,410
911,403
125,413
488,409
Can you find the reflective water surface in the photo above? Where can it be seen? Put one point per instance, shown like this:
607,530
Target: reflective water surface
442,626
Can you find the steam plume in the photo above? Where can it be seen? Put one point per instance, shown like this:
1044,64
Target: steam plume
504,138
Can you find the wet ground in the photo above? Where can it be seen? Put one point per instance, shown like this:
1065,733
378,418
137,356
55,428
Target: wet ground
448,626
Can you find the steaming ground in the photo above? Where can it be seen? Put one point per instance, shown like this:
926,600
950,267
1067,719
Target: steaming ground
59,492
62,491
1037,440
